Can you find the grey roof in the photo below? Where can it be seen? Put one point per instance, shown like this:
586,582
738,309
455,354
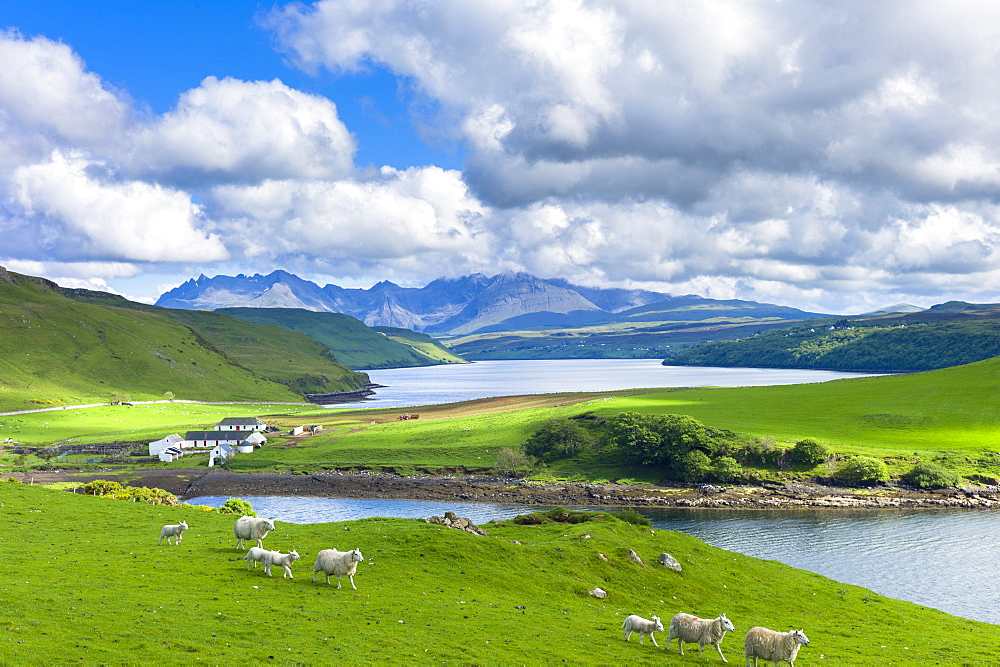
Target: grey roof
241,421
226,436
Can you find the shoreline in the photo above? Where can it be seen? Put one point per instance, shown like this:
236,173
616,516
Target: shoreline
193,482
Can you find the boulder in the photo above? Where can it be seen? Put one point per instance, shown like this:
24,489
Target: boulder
666,560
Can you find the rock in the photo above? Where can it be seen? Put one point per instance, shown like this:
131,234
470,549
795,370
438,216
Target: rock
598,593
634,557
456,522
602,556
666,560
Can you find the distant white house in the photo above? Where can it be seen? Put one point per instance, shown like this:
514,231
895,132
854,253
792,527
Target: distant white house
171,454
221,452
240,424
165,443
213,438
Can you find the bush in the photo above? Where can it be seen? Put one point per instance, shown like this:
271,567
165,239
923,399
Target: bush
694,466
554,515
237,506
726,469
103,487
809,452
926,475
556,439
513,462
862,471
629,515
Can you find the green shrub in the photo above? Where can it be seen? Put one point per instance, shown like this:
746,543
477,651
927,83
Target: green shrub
809,452
557,439
633,517
693,466
927,475
726,469
554,515
237,506
862,471
103,487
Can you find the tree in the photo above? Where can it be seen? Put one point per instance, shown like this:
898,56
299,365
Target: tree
169,395
862,471
513,462
693,466
557,439
635,436
658,440
809,452
726,469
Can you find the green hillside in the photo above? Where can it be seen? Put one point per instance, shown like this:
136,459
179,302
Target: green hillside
425,594
57,351
920,341
422,344
352,342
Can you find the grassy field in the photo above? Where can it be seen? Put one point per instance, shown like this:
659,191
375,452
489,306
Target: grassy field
85,581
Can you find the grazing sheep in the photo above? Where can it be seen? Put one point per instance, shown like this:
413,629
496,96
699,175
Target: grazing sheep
257,555
284,560
338,563
644,627
173,530
773,646
701,631
252,528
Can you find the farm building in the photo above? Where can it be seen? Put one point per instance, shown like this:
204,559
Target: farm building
171,454
221,452
241,424
213,438
171,441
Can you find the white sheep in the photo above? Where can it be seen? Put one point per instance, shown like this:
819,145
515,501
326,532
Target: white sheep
701,631
773,646
338,563
257,555
173,530
643,626
252,528
284,560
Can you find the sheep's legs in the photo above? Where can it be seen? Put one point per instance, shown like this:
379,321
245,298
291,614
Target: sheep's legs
719,649
652,639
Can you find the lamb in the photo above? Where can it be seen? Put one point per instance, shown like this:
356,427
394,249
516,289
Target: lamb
644,627
701,631
257,555
338,563
252,528
284,560
173,530
773,646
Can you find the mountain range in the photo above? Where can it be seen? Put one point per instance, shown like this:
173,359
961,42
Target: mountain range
473,304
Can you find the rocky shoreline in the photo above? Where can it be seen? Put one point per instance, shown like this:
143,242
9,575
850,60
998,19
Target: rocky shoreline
191,483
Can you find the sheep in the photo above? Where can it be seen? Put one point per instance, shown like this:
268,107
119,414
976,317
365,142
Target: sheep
773,646
252,528
644,627
701,631
257,555
173,530
284,560
338,563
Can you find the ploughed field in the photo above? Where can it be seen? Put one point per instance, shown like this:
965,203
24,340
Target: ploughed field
86,580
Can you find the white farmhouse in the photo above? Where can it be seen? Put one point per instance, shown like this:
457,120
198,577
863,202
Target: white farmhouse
240,424
171,441
221,452
213,438
171,454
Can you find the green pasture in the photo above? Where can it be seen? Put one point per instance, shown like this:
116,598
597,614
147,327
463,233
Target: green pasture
140,422
85,581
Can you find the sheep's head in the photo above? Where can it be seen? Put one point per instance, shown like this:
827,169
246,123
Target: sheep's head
657,625
356,555
800,637
183,525
293,556
269,523
727,625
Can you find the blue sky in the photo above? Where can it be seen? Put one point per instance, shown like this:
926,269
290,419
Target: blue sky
834,157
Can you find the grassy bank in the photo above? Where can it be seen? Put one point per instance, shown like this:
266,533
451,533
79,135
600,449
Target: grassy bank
86,581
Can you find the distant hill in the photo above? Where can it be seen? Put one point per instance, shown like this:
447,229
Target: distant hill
73,346
942,336
352,342
536,318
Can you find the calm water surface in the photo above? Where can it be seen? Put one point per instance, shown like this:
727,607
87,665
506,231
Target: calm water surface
944,559
430,385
